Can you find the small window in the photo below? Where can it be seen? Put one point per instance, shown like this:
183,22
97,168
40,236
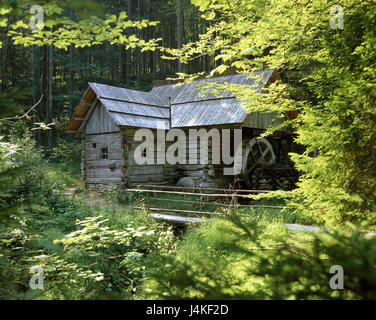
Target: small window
143,153
104,153
94,145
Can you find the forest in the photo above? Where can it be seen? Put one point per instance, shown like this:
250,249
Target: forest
315,239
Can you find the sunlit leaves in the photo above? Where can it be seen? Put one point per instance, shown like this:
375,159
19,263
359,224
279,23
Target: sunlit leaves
224,57
203,4
329,77
62,31
220,69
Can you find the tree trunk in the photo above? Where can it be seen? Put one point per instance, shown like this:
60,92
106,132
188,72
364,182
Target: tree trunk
179,30
71,59
129,51
37,90
50,96
138,50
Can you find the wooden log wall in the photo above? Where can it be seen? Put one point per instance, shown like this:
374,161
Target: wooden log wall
99,171
208,175
83,161
120,168
135,174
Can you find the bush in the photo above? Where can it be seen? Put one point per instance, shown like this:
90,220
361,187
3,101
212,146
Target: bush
251,259
66,151
84,255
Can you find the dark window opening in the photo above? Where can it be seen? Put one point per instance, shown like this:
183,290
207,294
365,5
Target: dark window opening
104,153
94,145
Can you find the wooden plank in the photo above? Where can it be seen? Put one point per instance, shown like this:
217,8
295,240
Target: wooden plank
151,169
175,219
115,155
103,173
97,156
104,137
113,145
160,183
103,180
219,204
189,193
88,114
182,211
211,189
92,157
103,163
98,149
112,155
103,133
147,178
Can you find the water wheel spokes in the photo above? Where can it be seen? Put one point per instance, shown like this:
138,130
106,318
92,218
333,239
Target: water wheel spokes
257,151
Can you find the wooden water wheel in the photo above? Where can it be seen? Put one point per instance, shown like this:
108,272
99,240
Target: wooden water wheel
256,152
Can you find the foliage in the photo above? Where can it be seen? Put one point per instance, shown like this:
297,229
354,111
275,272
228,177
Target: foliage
256,259
86,252
328,77
117,255
67,151
63,31
16,159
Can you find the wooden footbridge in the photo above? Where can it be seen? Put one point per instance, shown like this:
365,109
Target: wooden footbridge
182,205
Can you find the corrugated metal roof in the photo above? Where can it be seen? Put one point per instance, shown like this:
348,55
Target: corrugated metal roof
192,108
131,108
139,97
135,108
128,120
189,106
184,92
206,113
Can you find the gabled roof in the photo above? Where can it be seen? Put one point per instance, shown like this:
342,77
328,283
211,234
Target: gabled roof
126,107
185,92
133,108
189,108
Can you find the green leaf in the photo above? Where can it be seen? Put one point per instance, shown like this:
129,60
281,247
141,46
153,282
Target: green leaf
220,69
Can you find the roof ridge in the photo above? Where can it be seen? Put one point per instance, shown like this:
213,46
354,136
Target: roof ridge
178,81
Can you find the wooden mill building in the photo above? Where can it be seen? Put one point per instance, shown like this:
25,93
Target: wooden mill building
108,117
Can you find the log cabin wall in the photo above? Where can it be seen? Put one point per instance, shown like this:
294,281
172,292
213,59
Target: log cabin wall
208,175
103,159
83,161
135,174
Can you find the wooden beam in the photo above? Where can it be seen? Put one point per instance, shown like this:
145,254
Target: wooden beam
179,211
133,102
189,193
88,115
175,219
207,189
